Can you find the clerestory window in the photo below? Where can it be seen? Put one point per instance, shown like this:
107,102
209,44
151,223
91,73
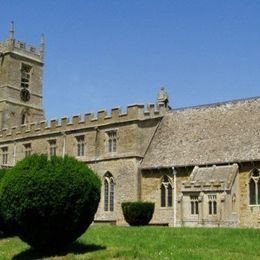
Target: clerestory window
4,155
80,145
254,187
112,141
53,147
27,149
166,192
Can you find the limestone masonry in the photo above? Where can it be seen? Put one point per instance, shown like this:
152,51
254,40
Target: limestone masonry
199,165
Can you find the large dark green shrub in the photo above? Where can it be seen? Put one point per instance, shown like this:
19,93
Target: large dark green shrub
49,203
2,174
138,213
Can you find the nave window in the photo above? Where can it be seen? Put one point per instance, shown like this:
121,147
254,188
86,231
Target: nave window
166,192
109,186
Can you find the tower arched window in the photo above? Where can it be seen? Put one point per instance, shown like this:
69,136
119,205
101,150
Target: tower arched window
109,187
25,118
254,187
166,192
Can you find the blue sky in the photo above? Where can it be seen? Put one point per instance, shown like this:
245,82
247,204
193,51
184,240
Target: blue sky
102,54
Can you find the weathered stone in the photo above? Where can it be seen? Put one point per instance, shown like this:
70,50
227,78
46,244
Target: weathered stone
213,148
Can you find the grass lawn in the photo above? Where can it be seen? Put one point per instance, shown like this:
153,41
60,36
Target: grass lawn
107,242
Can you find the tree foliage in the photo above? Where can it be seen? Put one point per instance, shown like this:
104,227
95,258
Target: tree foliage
49,203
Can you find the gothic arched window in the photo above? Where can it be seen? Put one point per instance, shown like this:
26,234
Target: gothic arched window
108,192
254,187
166,192
25,118
163,195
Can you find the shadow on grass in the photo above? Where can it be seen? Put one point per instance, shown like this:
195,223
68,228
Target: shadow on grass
75,248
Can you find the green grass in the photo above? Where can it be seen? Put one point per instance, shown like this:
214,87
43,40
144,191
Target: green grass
108,242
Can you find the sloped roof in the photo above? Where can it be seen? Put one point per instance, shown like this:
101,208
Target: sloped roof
212,134
211,178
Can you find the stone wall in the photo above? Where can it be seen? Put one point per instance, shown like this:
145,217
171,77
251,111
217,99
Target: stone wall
249,215
13,107
125,176
233,207
134,133
150,191
133,136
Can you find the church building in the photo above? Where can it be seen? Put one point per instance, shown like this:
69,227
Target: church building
199,165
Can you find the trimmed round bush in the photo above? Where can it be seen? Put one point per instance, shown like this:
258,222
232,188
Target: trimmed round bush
138,213
49,203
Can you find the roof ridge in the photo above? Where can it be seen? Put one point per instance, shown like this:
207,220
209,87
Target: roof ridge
232,101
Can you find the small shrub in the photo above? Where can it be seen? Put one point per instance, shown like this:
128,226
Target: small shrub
138,213
49,203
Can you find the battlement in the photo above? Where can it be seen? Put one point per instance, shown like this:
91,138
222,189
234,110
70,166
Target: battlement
21,48
89,120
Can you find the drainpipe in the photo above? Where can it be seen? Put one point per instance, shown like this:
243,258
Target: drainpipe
174,196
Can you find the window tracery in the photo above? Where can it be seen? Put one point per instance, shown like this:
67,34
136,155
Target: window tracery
194,203
254,187
166,192
112,141
109,192
212,203
80,145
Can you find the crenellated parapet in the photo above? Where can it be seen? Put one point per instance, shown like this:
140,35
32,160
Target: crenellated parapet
103,118
21,48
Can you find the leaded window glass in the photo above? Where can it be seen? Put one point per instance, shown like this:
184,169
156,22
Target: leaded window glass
166,192
212,203
254,187
194,203
109,187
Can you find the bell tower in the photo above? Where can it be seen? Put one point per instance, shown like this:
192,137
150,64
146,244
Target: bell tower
21,70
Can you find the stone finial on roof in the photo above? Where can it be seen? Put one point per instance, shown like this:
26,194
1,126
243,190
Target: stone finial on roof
163,97
11,31
42,45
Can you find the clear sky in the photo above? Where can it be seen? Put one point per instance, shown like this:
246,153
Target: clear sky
102,54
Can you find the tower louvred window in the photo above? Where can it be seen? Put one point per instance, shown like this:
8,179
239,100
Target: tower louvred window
25,75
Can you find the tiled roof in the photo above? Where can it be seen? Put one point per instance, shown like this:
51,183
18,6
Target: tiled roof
219,133
211,178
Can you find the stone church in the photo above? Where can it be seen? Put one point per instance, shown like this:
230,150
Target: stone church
199,165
